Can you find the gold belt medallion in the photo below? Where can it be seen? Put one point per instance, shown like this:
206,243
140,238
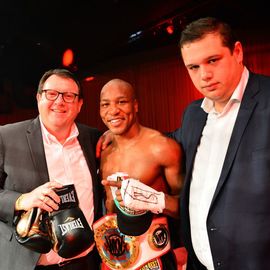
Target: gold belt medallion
117,250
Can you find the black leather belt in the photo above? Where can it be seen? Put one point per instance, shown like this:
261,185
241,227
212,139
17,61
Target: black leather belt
61,265
56,266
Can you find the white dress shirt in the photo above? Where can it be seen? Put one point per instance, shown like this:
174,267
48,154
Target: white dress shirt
208,165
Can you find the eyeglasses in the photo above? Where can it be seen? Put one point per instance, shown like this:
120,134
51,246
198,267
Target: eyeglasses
52,95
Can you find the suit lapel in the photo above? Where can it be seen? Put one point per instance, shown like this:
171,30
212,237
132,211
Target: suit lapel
247,107
36,146
86,145
195,126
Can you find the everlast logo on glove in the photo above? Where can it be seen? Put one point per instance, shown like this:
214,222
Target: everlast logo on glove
68,197
69,226
71,233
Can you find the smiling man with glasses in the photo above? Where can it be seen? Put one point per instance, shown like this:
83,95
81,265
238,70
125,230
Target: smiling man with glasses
52,95
59,102
39,155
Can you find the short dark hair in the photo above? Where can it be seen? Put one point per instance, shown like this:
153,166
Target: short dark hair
64,73
198,29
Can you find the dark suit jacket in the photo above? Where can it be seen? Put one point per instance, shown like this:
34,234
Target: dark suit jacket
238,222
22,168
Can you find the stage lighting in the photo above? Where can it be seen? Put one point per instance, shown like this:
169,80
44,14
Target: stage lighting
68,58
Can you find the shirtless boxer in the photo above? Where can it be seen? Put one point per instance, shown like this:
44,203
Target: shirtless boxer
141,153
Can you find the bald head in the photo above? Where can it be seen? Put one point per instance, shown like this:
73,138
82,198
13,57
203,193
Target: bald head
114,84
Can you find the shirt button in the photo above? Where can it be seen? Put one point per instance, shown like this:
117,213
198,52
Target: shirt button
213,229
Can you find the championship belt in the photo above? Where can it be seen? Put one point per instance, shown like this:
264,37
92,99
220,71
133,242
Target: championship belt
120,251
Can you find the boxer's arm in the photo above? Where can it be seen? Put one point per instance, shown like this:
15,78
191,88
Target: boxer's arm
169,155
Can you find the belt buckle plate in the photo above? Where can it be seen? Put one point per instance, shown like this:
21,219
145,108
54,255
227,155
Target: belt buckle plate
63,263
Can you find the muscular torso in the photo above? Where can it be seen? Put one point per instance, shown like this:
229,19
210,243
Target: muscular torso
149,157
139,162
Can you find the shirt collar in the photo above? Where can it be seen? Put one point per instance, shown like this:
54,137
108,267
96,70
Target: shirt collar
49,138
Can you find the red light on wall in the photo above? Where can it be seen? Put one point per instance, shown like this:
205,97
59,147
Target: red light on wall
170,29
89,79
68,57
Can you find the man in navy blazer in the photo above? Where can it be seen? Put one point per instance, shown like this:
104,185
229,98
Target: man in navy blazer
41,154
225,201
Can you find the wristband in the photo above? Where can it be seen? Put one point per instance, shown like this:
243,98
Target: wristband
132,224
128,211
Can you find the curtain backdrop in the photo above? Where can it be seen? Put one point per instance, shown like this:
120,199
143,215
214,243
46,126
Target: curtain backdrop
163,86
160,79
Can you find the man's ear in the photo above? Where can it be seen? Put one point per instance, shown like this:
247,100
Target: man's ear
238,52
38,96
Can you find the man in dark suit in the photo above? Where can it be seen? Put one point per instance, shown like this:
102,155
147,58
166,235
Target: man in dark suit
39,155
225,200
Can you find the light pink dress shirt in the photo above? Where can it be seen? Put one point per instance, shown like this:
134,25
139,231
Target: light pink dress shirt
67,165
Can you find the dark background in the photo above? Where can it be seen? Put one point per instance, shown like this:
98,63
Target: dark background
34,34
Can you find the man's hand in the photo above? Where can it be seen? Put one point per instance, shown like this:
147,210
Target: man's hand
115,188
43,197
104,140
138,196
